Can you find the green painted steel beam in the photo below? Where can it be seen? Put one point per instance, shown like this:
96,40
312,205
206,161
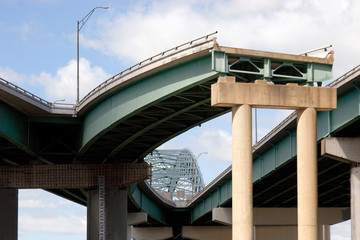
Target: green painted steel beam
132,98
151,126
249,69
283,151
13,125
143,202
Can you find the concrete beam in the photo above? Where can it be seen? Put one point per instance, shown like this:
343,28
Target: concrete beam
151,233
222,215
115,214
287,232
261,232
227,93
207,232
276,232
342,149
136,218
284,216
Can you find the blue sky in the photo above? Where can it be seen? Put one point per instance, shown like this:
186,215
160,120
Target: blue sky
38,53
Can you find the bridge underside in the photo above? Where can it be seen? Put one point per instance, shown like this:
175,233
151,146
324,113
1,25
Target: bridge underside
114,138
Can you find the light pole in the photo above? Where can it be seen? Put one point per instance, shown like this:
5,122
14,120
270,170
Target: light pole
192,178
80,25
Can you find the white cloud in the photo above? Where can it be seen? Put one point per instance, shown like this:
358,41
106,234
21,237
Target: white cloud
11,76
216,142
268,119
35,203
284,26
339,237
341,231
41,211
62,85
56,224
144,31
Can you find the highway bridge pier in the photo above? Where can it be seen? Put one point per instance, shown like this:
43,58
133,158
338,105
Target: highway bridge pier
9,214
307,101
105,185
347,150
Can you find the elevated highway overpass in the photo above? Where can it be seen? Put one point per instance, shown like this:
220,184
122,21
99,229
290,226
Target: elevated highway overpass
135,111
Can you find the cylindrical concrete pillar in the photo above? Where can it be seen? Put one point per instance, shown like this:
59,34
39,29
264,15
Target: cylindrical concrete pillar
92,214
307,174
355,201
242,192
324,232
115,214
9,214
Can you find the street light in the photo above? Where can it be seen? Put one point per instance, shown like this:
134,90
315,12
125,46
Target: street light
80,25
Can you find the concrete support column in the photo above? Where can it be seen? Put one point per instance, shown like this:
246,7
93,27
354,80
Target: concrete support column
242,192
115,214
307,175
355,201
92,214
324,232
8,214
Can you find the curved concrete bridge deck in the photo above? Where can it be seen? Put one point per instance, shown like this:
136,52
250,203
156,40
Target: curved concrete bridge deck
132,113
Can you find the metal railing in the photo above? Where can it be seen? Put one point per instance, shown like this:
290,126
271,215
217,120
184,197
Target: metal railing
147,61
342,77
111,79
24,92
36,98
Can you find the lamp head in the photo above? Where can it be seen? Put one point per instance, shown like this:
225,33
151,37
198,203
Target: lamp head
105,7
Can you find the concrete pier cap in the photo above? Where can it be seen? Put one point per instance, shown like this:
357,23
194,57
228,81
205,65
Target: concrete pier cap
228,93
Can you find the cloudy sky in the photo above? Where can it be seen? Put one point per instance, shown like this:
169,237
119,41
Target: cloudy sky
38,53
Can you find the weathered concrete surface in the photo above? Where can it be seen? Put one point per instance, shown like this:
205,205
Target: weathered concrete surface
207,232
151,233
307,178
342,149
242,192
227,93
284,216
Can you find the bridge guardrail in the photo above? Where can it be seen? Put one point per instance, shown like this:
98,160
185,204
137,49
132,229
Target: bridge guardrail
24,92
145,62
51,105
333,83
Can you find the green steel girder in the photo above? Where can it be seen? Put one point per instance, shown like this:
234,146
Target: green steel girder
13,125
279,161
160,106
151,126
248,69
143,202
15,137
137,96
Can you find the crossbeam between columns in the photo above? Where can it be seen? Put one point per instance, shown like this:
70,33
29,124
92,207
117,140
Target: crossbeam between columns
72,175
227,93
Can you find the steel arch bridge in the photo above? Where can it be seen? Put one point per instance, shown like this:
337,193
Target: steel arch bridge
175,171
